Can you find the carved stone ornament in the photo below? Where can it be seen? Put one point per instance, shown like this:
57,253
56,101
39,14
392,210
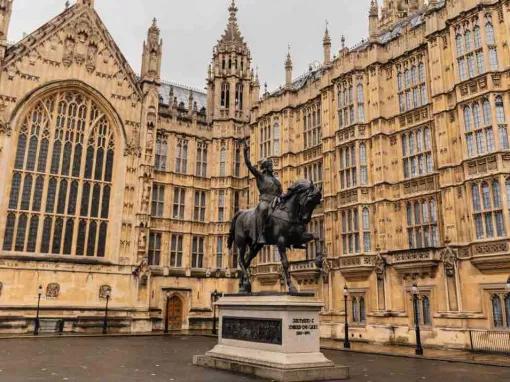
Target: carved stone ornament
449,259
104,290
81,45
380,266
52,290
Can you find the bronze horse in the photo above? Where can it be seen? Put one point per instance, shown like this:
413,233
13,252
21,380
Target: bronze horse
285,228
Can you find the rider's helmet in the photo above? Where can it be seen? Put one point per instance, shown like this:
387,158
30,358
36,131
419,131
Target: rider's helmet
267,165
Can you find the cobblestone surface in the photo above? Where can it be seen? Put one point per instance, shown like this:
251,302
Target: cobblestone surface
163,359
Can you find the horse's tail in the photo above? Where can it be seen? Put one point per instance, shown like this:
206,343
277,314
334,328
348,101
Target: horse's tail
232,232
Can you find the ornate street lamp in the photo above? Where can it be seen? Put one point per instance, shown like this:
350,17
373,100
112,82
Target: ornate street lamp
214,295
415,291
347,343
37,323
166,311
105,322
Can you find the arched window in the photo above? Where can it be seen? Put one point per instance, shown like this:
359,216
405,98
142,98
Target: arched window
497,312
468,123
459,45
62,179
367,242
362,310
507,310
467,40
363,164
225,95
355,309
425,302
487,116
477,37
500,110
239,96
276,138
489,33
486,196
223,160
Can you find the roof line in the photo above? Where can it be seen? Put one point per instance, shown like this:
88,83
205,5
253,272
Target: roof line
172,83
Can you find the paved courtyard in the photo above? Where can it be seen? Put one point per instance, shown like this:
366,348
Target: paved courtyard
163,359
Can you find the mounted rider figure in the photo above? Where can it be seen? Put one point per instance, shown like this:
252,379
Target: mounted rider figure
270,190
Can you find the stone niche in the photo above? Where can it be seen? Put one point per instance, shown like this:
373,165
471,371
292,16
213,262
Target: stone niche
273,336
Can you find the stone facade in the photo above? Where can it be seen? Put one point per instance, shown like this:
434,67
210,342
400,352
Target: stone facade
124,182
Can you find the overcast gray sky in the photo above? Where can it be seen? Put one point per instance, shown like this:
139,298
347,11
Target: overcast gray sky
190,29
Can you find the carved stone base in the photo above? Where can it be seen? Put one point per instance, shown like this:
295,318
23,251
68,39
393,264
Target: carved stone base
274,336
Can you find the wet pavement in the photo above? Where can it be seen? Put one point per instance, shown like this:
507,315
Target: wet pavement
163,359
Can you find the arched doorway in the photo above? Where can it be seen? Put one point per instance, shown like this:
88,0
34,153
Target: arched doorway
175,313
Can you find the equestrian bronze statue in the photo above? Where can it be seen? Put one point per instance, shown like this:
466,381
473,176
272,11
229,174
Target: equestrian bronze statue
279,219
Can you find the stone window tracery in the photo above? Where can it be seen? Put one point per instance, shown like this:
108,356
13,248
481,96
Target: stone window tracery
312,131
313,172
62,179
200,202
201,164
160,158
487,210
422,224
176,250
350,231
181,156
316,226
158,200
500,306
346,115
197,252
479,127
411,84
154,250
417,152
179,200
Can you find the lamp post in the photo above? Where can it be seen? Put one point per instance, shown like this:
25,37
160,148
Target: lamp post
416,292
37,323
214,296
347,343
105,322
166,311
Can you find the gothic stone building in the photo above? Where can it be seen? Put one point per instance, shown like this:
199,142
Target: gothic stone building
121,183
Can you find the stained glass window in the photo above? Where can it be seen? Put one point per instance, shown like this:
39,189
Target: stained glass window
44,208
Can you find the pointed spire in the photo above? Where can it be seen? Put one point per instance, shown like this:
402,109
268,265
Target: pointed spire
374,8
326,44
232,32
288,69
152,52
88,3
327,38
288,61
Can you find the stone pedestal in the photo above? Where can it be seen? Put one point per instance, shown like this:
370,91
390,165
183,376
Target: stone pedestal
274,336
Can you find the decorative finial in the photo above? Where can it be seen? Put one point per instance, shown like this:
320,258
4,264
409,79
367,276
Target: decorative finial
265,88
154,22
67,4
288,62
233,10
343,42
327,38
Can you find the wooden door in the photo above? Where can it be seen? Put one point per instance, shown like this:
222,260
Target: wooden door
175,313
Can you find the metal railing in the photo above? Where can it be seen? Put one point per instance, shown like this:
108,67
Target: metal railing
490,341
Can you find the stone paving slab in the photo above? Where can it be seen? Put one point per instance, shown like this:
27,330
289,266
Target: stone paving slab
169,358
429,353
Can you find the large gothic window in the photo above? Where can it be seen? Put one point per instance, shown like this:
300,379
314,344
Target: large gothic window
61,183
